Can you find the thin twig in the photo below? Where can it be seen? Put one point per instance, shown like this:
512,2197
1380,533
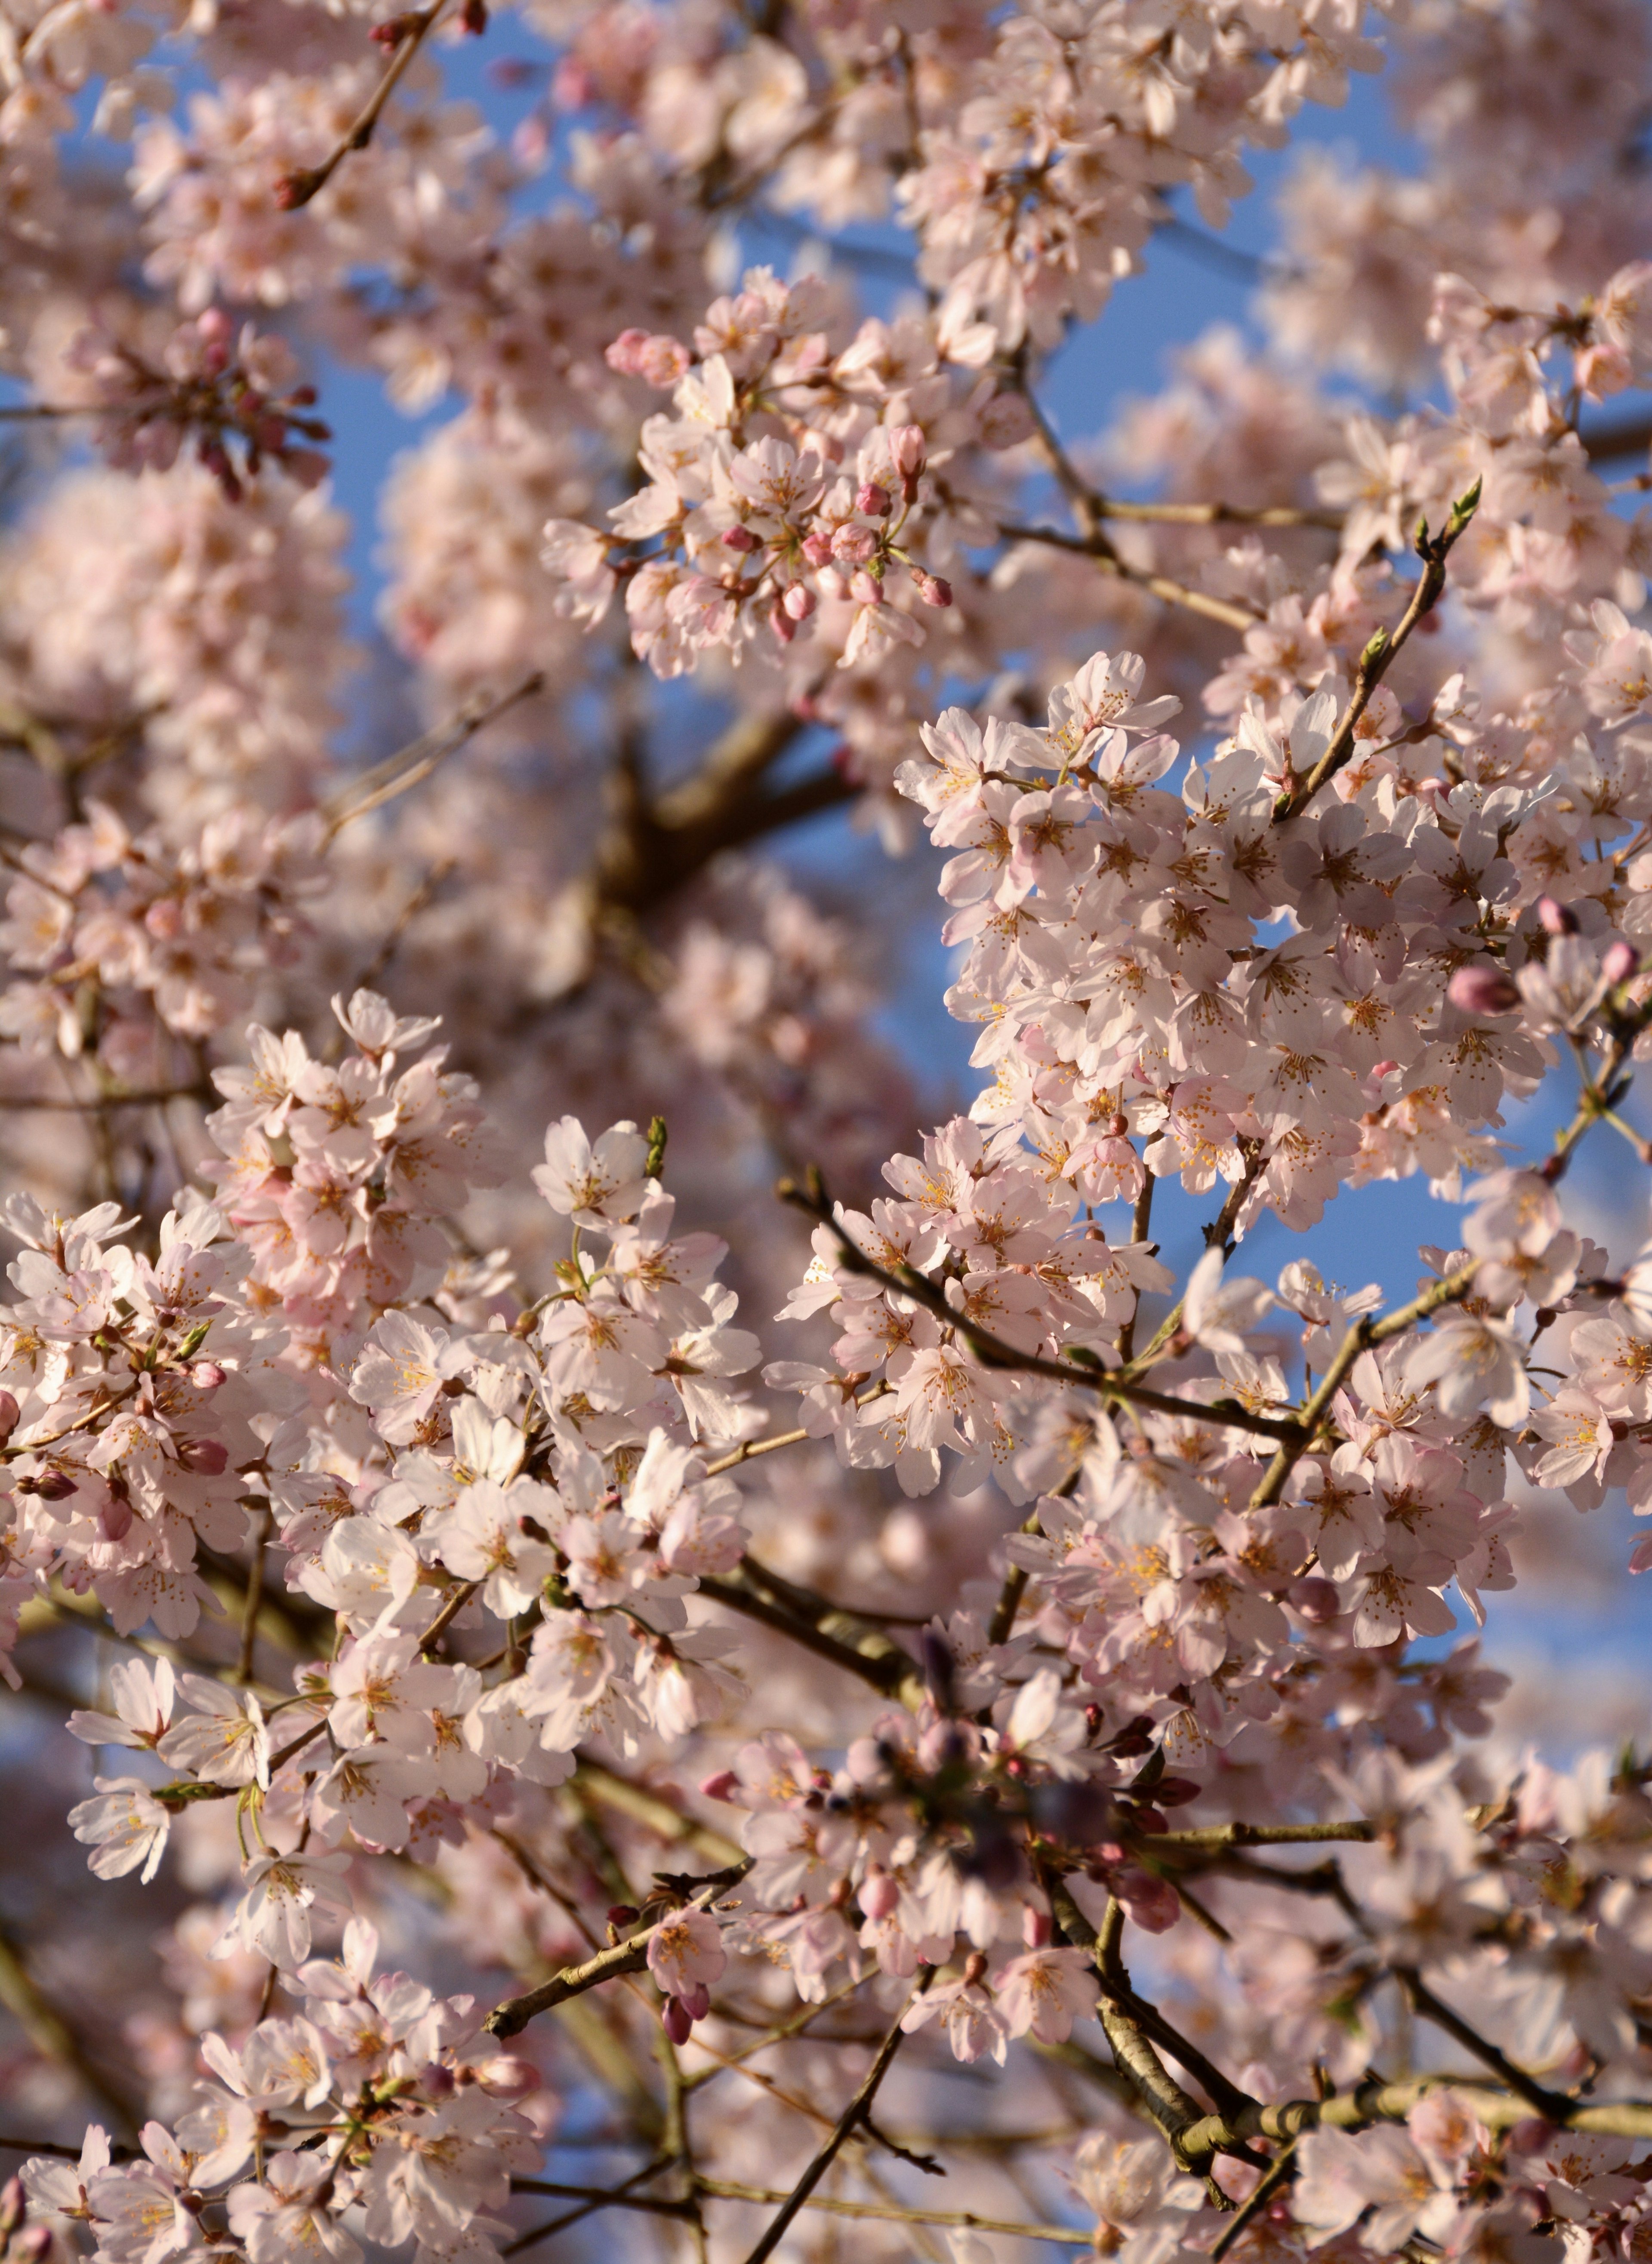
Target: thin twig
412,764
297,189
854,2113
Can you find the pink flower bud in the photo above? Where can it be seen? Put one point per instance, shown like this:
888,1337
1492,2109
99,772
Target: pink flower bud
208,1458
1482,990
1315,1598
678,2024
507,2076
625,354
623,1914
864,588
872,499
9,1412
206,1375
662,360
33,2245
114,1519
1618,961
13,2204
696,2002
57,1485
741,539
163,918
909,451
436,2081
780,621
720,1786
932,590
1035,1926
817,548
1555,918
880,1896
799,601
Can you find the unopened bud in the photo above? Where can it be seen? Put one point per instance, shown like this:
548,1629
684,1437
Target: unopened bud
880,1896
32,2246
1555,918
206,1375
909,452
865,589
932,590
1315,1599
436,2081
1035,1926
1618,961
817,548
10,1411
508,2077
742,539
872,499
678,2024
623,1914
1482,990
114,1519
799,601
54,1485
474,16
13,2205
720,1786
208,1458
780,621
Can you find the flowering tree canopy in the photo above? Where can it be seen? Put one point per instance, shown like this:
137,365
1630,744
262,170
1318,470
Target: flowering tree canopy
624,1635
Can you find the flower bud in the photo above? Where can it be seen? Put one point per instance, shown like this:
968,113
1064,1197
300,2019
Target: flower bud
436,2081
208,1458
721,1786
932,590
54,1485
677,2022
1035,1926
1482,990
10,1411
1555,918
742,539
114,1519
206,1374
872,499
507,2076
696,2001
32,2246
1314,1599
909,452
474,16
780,621
817,548
1618,961
799,602
865,589
880,1896
623,1914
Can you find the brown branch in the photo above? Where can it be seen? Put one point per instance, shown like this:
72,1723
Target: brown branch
1097,547
297,189
890,2213
1553,2105
1365,1333
629,1956
658,1815
448,1614
993,1351
1604,444
1433,550
863,1652
412,764
854,2113
52,2034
